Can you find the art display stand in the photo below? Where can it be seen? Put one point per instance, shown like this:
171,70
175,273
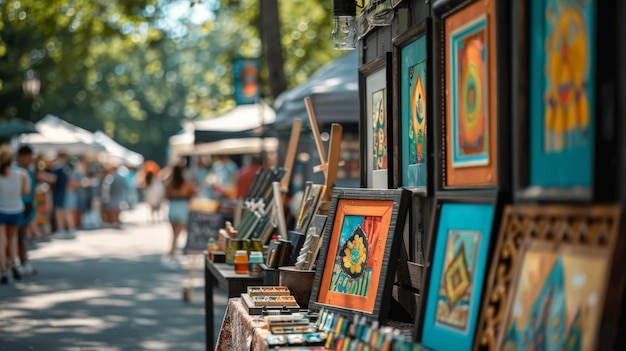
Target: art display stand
327,165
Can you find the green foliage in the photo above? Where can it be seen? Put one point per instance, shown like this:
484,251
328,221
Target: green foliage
137,68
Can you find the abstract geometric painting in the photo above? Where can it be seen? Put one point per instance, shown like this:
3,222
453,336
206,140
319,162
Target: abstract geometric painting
470,95
456,282
458,261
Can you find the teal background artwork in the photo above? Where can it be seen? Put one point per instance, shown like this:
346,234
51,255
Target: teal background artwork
474,220
561,92
413,65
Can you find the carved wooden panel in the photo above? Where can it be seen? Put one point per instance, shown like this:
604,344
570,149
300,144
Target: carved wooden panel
587,226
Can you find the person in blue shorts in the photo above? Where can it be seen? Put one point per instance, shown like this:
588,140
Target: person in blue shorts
178,191
13,185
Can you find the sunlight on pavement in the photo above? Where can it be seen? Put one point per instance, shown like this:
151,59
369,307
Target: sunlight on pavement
104,290
49,300
110,302
155,345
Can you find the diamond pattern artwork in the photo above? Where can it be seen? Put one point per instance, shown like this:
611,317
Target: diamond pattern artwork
456,281
457,278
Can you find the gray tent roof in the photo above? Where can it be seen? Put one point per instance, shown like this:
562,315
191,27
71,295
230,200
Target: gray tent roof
334,92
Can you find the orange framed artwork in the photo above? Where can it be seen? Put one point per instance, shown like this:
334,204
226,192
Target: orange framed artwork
359,252
470,96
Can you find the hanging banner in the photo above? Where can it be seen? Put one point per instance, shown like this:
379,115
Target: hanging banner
246,80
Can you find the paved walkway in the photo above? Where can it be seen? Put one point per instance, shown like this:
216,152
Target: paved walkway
105,290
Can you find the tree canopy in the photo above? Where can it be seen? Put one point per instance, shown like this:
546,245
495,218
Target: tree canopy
136,68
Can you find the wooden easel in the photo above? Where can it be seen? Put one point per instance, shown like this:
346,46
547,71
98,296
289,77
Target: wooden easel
292,148
328,165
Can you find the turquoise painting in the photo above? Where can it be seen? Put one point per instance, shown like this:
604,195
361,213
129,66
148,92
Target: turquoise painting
458,269
413,103
561,92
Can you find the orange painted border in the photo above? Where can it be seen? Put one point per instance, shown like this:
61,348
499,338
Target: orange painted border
478,175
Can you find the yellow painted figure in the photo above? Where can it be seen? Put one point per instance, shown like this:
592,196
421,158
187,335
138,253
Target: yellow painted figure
567,66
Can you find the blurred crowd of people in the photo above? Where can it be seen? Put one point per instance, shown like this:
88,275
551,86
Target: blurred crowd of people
43,198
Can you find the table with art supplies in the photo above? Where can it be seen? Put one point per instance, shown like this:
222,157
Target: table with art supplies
262,319
326,284
224,276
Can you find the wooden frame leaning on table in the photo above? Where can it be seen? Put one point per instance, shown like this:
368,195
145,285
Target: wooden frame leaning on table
574,253
413,109
461,239
359,253
564,140
472,117
376,123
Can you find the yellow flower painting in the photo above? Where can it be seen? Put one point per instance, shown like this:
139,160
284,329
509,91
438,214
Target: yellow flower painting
355,255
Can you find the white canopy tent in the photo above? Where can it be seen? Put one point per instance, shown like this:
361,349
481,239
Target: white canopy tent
55,134
239,131
239,119
117,153
237,146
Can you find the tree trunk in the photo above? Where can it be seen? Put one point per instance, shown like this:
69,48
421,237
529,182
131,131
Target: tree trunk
269,27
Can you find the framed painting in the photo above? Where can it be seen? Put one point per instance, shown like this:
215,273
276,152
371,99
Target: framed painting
472,114
360,249
551,249
562,146
412,77
375,123
459,252
555,298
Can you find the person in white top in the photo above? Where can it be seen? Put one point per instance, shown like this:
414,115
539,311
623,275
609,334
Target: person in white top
13,184
154,191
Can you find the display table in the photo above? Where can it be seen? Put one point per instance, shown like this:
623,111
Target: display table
241,331
225,277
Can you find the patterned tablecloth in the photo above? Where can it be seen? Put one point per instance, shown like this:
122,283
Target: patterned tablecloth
241,331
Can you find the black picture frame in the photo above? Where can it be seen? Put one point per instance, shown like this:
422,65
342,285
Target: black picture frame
442,9
391,207
400,43
373,76
604,132
496,201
